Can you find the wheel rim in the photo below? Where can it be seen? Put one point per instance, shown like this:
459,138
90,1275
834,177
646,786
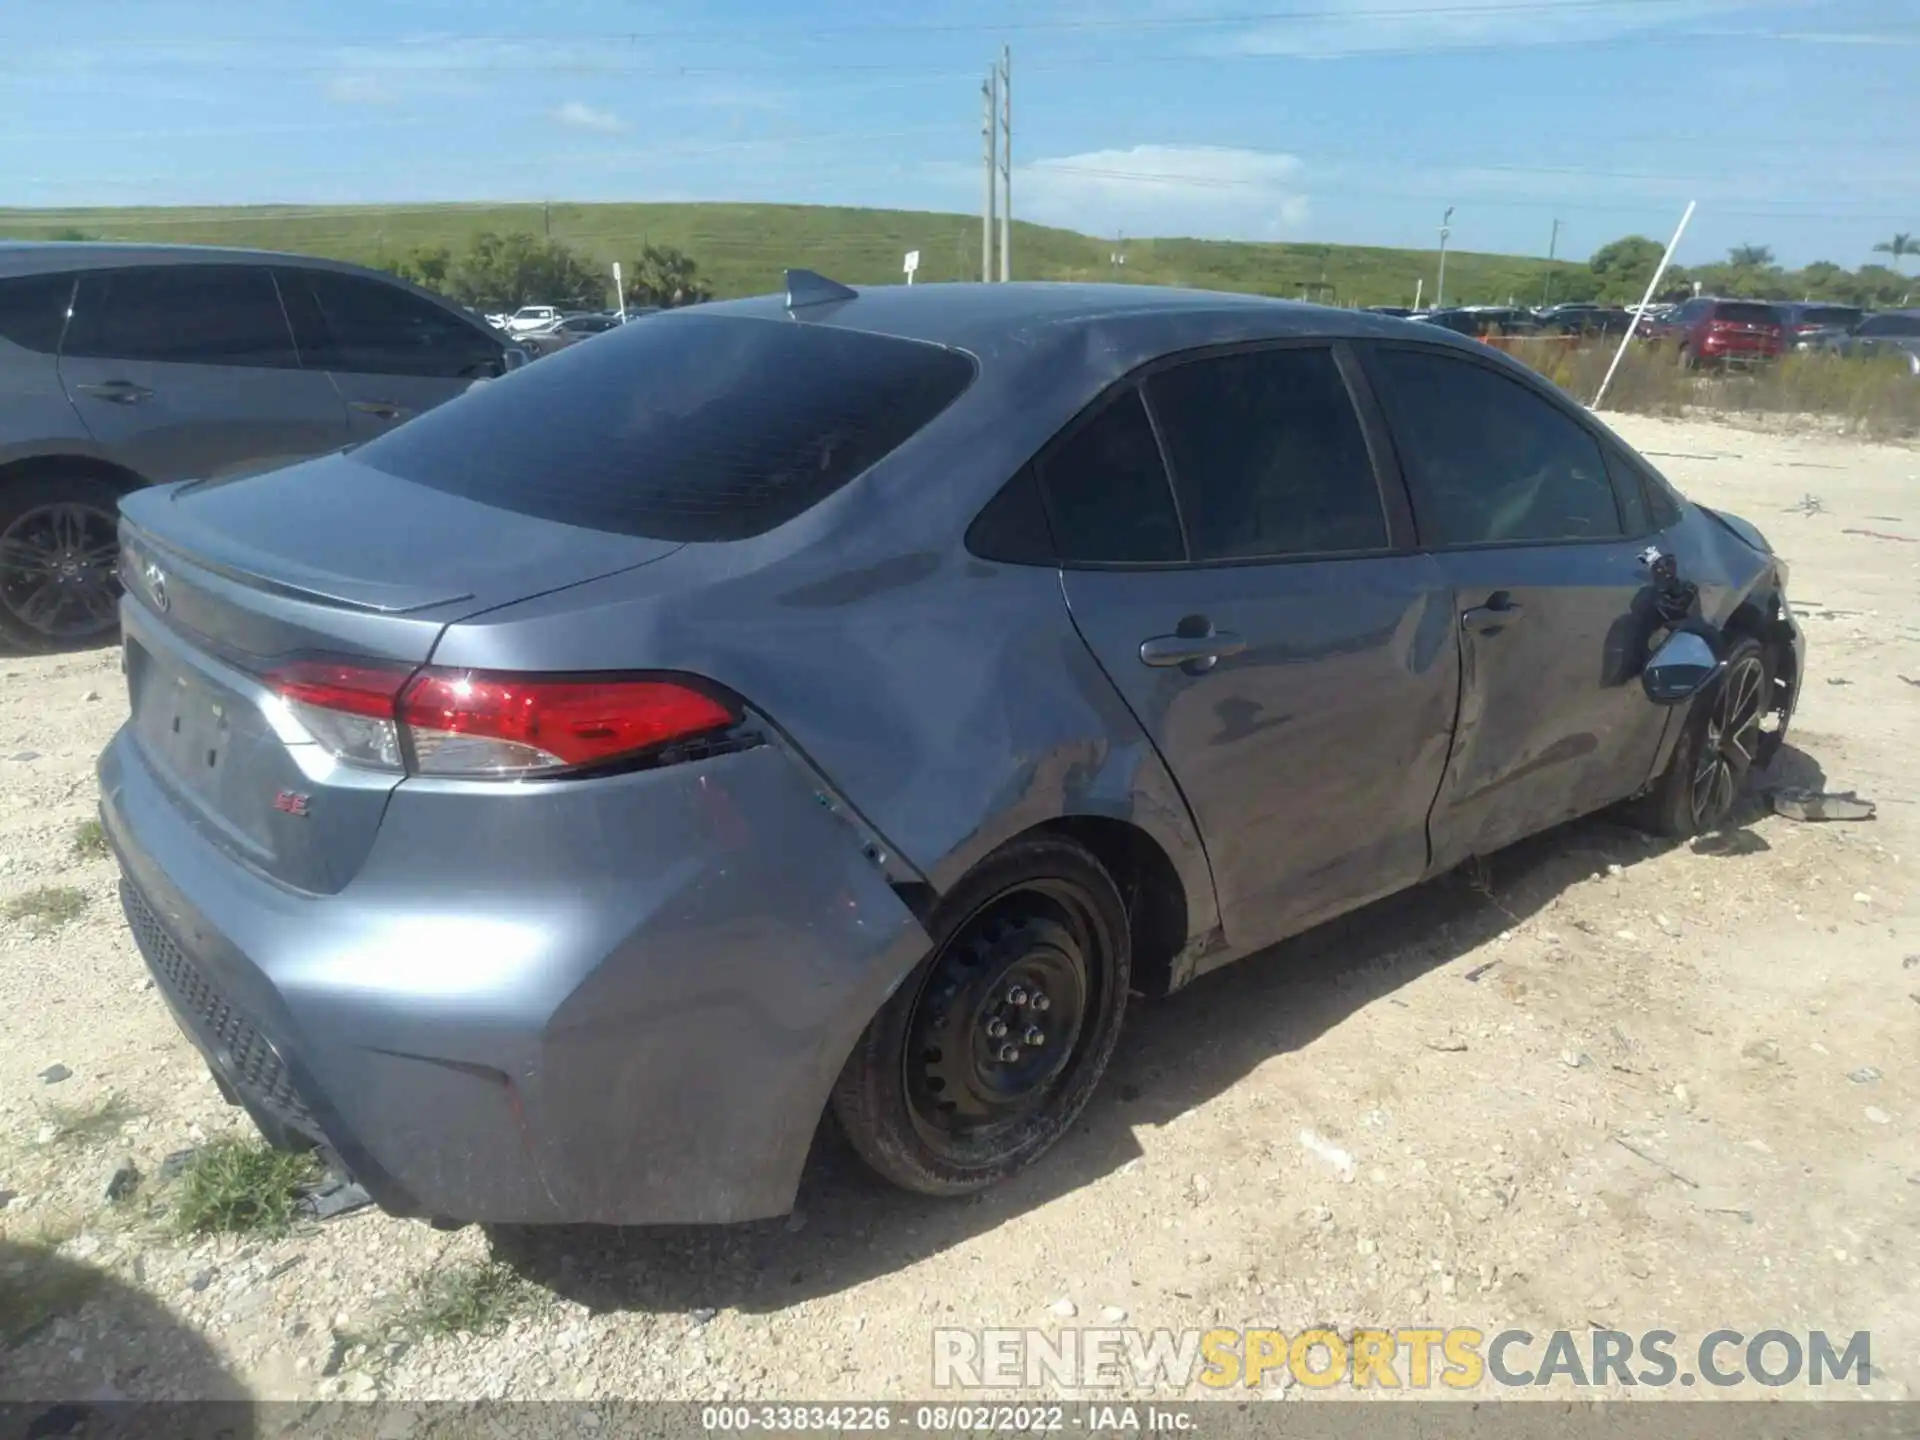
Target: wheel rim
1731,740
998,1028
57,570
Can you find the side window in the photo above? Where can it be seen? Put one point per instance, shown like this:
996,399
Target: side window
1012,527
1106,490
1488,461
1268,456
370,328
181,315
33,310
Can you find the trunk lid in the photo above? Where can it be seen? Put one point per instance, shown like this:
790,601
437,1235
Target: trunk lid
328,558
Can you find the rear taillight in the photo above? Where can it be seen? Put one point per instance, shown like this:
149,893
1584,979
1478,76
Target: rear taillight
491,725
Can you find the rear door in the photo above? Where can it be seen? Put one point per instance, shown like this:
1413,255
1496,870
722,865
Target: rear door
188,371
1513,495
1295,666
392,354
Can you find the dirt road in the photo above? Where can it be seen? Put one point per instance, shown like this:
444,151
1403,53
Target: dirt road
1602,1083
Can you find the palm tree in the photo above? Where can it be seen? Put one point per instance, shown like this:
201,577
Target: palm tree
1899,247
1750,255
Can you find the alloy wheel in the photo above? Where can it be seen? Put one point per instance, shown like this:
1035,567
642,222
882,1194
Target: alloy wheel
1731,741
57,570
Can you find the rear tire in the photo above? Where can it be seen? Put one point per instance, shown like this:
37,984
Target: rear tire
991,1048
1710,764
59,549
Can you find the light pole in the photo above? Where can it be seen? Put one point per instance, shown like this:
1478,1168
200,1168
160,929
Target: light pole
1553,244
1440,285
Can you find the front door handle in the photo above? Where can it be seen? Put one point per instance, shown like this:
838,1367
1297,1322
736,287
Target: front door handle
118,392
384,409
1195,654
1499,610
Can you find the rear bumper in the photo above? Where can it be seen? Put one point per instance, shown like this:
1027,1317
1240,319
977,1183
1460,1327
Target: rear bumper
619,1001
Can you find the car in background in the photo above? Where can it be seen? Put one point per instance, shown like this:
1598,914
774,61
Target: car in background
1398,312
1890,334
1810,325
1710,331
568,330
131,365
1492,324
1585,321
634,312
532,317
553,810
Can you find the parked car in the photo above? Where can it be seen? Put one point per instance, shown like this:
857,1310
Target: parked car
1706,331
568,330
1809,326
1889,334
128,365
1495,325
532,317
1398,312
1586,321
550,809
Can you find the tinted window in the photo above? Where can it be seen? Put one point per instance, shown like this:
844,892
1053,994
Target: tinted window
1747,314
1013,526
357,325
1890,325
1106,490
690,427
1490,461
1827,315
33,310
1268,456
181,314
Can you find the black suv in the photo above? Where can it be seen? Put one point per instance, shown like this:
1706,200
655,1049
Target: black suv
131,365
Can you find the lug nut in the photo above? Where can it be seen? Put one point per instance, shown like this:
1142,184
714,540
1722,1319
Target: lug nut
1034,1036
996,1027
1039,1001
1009,1053
1016,996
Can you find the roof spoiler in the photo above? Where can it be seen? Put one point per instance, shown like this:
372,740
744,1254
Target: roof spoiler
805,288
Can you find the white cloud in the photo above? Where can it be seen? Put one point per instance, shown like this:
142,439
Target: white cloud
358,90
1355,27
1208,191
585,117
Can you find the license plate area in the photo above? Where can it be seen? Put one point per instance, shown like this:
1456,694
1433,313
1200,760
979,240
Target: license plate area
182,721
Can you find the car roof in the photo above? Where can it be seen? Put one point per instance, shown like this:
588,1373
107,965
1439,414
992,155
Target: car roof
33,257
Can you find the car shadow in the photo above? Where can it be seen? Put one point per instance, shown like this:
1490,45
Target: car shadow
1175,1054
82,1352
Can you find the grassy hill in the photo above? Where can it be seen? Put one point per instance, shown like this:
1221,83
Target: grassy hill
743,248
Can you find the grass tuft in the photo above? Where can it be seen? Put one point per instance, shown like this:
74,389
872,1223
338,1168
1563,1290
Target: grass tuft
476,1299
90,841
48,907
239,1187
87,1122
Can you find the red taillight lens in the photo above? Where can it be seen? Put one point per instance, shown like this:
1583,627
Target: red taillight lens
464,723
478,723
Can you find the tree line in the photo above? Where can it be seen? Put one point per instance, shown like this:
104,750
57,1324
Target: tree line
1618,274
503,272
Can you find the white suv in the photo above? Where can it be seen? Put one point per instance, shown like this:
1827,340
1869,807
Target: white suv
531,317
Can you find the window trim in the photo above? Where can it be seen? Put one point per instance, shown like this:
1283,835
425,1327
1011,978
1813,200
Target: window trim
1542,390
1389,485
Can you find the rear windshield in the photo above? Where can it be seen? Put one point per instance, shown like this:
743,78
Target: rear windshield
1747,314
688,427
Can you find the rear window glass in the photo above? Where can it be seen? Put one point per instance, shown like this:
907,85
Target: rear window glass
33,310
1828,315
690,427
1747,314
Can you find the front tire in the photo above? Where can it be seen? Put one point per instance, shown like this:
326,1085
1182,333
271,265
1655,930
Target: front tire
991,1048
59,548
1697,791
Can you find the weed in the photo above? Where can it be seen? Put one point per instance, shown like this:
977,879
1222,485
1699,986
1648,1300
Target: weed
236,1186
476,1299
49,907
90,841
88,1122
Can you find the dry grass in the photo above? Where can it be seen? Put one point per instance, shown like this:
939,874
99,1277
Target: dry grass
1869,399
47,908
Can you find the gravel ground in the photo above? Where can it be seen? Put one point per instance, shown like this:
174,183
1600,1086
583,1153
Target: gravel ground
1602,1082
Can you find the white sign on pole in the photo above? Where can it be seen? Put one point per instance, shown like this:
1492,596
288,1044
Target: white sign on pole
912,264
620,292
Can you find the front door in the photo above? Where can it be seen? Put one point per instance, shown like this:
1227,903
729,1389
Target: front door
1297,674
190,371
1513,496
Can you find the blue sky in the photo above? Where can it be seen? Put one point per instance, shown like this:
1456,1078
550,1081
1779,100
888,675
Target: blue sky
1794,123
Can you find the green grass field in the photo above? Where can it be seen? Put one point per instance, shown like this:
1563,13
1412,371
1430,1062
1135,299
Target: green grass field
742,249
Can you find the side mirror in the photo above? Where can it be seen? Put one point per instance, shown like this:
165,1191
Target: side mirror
1679,669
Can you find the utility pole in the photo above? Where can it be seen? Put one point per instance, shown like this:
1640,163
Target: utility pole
1553,242
987,137
546,217
1440,286
1006,162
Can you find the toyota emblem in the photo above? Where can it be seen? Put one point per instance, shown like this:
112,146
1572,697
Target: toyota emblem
156,579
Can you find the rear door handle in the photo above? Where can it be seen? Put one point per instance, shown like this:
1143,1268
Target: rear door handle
1195,653
385,409
1500,608
119,392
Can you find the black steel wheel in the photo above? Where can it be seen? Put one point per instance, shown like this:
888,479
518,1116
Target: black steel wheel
59,553
1718,745
991,1048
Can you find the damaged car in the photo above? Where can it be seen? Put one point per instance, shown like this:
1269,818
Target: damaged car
848,701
